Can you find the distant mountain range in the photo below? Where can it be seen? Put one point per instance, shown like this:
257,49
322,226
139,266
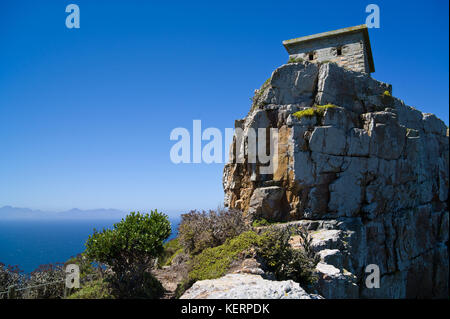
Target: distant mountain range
9,212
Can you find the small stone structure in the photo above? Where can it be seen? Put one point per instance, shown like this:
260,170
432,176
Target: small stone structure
348,47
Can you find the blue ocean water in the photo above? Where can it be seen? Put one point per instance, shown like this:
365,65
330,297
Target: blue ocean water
31,243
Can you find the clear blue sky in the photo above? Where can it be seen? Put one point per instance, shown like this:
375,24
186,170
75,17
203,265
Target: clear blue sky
85,115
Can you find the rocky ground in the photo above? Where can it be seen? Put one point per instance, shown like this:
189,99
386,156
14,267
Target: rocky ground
169,277
246,286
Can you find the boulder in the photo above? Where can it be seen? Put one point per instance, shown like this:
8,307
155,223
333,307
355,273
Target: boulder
244,286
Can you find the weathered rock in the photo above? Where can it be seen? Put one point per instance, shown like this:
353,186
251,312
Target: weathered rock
334,283
243,286
266,203
372,173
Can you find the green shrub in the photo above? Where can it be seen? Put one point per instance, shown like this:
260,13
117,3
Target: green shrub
201,230
129,249
214,262
316,110
284,261
260,222
96,289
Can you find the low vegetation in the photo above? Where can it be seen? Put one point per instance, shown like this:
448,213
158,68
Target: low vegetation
129,250
95,289
260,222
214,262
201,230
294,60
316,110
284,261
272,247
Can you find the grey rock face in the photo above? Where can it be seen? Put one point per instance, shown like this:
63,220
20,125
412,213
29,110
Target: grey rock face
243,286
266,202
376,167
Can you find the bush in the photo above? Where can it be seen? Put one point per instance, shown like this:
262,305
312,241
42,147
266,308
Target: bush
214,262
10,276
284,261
262,222
129,248
201,230
44,274
96,289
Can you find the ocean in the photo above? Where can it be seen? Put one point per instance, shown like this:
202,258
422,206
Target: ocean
30,243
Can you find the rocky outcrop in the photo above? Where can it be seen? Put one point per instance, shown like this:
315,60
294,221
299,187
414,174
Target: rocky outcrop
245,286
368,176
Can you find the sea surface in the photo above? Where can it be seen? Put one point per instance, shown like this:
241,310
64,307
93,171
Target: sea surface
30,243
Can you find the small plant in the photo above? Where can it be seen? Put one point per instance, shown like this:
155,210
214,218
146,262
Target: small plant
295,59
386,99
129,249
316,110
260,222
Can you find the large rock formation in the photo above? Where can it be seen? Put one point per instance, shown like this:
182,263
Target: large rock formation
245,286
369,178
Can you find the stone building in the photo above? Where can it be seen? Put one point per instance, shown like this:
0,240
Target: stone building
348,47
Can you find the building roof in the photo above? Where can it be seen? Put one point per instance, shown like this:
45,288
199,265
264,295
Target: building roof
360,28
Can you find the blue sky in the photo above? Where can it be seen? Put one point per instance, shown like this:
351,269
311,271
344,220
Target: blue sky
85,114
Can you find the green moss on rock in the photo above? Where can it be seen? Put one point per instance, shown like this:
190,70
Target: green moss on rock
316,110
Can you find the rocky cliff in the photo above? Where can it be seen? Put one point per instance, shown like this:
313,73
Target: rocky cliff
366,174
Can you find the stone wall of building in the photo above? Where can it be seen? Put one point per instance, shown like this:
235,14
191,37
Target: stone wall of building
353,55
